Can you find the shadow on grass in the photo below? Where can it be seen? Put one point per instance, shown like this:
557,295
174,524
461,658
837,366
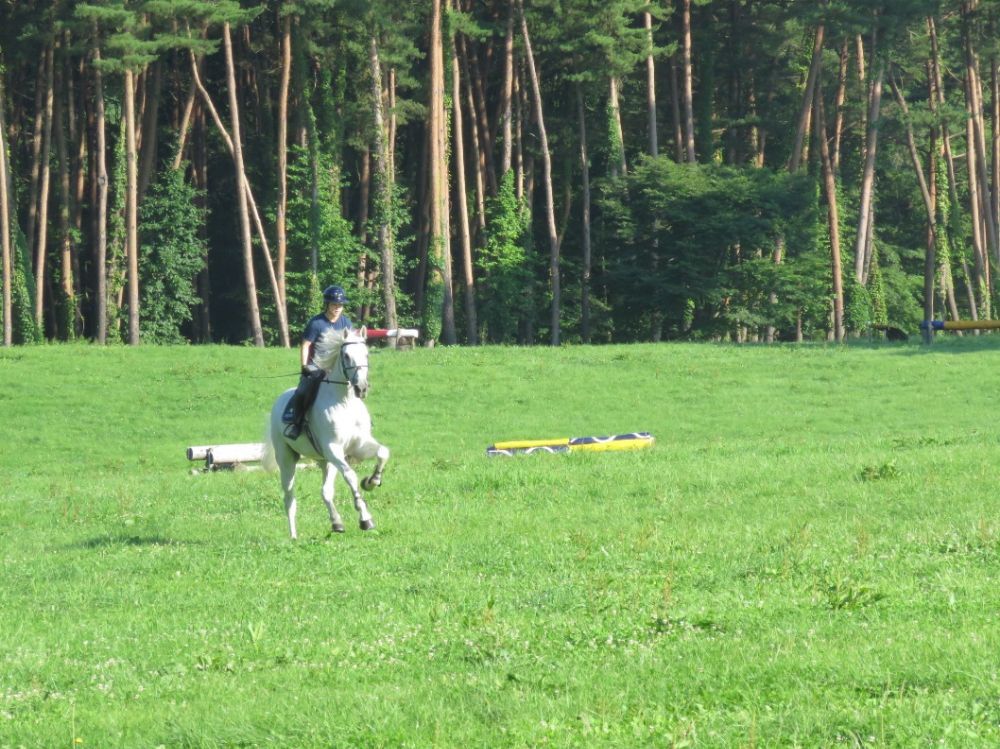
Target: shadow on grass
943,343
121,539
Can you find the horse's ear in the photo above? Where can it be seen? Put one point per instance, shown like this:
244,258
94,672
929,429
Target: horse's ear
363,332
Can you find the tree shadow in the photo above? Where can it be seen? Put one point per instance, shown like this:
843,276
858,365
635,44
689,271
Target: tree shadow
944,344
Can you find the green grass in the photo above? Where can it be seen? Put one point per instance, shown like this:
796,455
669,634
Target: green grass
808,556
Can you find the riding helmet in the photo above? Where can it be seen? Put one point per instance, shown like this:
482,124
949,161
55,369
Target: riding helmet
335,295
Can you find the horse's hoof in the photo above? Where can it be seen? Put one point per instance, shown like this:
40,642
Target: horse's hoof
366,484
338,527
367,525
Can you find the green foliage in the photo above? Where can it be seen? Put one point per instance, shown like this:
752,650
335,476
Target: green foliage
118,187
172,254
858,310
876,292
503,272
433,311
704,234
24,327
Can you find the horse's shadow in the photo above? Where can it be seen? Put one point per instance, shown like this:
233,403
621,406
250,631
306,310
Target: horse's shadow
125,539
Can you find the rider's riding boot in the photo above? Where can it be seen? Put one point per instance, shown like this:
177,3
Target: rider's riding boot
293,430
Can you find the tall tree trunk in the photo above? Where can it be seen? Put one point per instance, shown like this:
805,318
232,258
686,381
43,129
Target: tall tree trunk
423,224
471,325
980,253
101,246
937,100
43,196
519,107
184,126
481,113
618,135
364,201
675,110
250,203
38,135
838,126
974,96
585,238
654,148
151,113
508,91
868,177
547,179
79,138
392,122
66,321
6,254
200,170
929,259
795,159
479,160
439,274
833,217
253,310
753,135
131,210
281,229
995,135
690,155
383,189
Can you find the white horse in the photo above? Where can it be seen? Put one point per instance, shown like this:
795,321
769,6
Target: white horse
338,428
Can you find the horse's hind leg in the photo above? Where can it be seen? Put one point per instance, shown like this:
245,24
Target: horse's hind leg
286,464
335,455
381,458
329,476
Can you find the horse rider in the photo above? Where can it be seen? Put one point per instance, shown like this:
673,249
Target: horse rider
331,318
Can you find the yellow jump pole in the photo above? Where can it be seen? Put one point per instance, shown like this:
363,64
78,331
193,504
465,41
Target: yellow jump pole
929,326
632,441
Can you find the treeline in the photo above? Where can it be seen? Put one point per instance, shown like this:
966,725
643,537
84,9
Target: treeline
497,171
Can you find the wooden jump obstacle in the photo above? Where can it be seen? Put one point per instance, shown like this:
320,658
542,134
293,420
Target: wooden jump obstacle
617,442
929,327
244,456
403,336
218,457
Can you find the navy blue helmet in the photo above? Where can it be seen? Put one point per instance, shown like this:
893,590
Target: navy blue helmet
335,295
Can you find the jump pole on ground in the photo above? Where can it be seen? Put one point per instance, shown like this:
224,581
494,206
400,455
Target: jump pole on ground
617,442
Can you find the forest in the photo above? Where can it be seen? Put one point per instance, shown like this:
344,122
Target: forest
497,171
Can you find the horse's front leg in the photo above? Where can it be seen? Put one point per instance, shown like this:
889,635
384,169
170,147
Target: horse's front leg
381,458
329,476
335,455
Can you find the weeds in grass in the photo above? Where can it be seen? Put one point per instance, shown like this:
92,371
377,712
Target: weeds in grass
841,592
886,470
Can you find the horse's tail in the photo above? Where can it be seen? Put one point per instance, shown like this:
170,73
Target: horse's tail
267,461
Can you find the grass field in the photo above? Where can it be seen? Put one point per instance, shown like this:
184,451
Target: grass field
808,557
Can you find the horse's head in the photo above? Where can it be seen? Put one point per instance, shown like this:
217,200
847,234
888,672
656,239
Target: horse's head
344,355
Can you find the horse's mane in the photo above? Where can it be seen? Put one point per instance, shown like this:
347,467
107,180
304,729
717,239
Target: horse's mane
329,343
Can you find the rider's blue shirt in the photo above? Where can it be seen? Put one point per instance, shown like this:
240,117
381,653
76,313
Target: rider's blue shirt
318,325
